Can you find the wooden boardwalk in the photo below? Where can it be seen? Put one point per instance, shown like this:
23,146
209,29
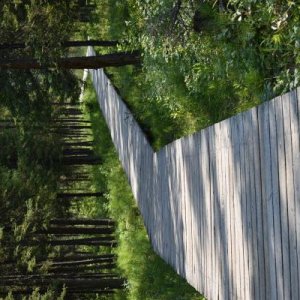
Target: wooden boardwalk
222,206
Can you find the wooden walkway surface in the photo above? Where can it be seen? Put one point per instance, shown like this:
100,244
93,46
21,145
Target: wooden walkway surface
222,206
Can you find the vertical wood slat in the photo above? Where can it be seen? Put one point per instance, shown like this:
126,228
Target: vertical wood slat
218,211
222,205
211,216
276,201
248,261
295,118
251,203
266,178
257,209
239,275
290,194
205,175
227,210
283,195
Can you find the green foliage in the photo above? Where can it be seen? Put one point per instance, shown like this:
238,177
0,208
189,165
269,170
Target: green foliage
27,94
37,295
203,61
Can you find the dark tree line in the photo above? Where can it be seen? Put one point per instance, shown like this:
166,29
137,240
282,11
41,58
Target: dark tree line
46,157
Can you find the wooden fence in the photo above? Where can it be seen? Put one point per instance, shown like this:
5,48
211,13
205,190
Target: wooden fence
222,206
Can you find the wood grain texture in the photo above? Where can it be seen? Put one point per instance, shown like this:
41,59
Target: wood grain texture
221,206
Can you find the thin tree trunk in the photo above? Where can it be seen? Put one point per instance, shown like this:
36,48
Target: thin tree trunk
78,151
69,126
99,241
75,144
81,160
77,283
82,256
71,111
76,230
83,268
90,62
88,291
79,195
82,221
58,276
72,135
66,120
71,292
65,104
92,43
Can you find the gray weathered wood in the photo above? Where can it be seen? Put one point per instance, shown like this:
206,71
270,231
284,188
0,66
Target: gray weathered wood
283,199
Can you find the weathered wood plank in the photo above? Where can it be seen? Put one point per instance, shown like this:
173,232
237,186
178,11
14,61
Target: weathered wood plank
243,199
185,199
276,201
296,158
175,207
283,198
215,147
199,250
290,195
205,174
267,197
247,128
225,211
251,204
231,198
238,209
211,274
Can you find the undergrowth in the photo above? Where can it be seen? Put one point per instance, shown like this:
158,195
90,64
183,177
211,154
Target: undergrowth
202,61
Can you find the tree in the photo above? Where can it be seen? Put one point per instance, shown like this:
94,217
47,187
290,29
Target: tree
64,44
91,62
83,221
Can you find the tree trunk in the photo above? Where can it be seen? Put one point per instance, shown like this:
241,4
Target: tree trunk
99,241
78,151
88,291
75,144
65,44
65,104
58,276
89,62
83,268
71,111
79,258
77,283
71,292
82,221
76,230
67,120
78,195
69,126
81,160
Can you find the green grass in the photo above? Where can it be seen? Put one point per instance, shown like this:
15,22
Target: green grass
148,276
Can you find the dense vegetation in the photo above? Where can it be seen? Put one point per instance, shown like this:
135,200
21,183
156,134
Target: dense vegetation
203,61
